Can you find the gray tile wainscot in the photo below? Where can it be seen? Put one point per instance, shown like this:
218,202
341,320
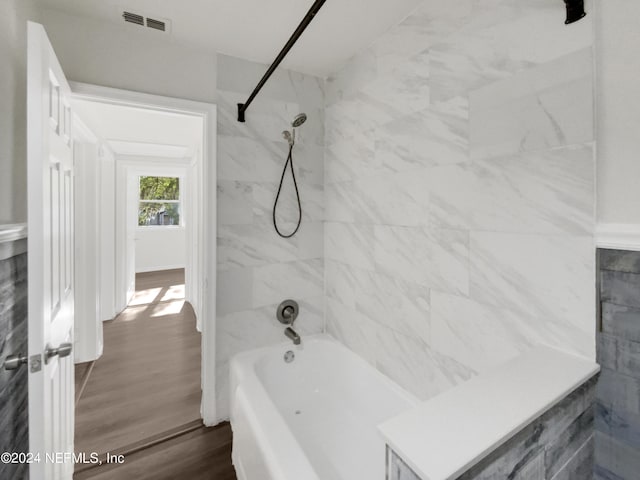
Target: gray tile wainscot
530,419
13,339
617,408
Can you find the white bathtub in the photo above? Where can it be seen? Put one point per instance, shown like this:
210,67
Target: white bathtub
312,419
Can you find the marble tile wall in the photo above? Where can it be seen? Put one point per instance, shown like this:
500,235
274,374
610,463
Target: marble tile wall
256,268
14,424
617,413
459,191
558,445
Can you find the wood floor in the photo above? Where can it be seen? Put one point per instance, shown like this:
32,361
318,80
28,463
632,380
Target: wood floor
142,397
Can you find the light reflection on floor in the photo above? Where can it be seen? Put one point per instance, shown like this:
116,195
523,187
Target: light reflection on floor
154,302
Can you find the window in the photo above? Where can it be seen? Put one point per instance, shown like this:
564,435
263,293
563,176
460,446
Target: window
159,201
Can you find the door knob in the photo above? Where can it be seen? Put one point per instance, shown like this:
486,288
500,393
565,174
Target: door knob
62,351
13,362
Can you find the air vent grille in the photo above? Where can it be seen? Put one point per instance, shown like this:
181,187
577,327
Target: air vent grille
141,19
157,24
133,18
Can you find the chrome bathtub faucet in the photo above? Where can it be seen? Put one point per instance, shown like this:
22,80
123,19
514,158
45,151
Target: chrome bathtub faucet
287,313
291,333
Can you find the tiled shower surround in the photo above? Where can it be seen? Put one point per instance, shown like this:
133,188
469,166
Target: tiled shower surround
459,191
256,268
618,393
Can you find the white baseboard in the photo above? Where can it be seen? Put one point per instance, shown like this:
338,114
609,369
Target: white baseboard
618,236
158,268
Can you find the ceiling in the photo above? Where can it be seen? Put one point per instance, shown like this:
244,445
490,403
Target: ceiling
135,131
257,29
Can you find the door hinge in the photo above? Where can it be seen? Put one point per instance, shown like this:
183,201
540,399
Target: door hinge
35,363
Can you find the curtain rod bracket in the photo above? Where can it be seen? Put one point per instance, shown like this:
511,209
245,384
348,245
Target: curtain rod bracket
241,112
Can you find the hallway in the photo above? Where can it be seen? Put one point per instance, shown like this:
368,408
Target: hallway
142,397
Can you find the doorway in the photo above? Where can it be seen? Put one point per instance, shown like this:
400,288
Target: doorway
153,270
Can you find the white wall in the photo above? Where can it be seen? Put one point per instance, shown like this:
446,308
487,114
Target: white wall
92,51
618,111
13,85
160,248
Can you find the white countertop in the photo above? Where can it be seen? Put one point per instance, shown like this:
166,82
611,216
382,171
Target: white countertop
446,435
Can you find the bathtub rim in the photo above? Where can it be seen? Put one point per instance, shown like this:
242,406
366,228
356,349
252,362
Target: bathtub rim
270,423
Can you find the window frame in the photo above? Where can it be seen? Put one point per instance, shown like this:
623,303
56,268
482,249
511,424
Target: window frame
180,201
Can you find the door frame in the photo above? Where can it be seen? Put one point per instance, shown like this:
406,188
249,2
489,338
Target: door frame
88,339
203,244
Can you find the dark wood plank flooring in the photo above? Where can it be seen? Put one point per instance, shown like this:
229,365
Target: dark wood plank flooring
203,454
145,387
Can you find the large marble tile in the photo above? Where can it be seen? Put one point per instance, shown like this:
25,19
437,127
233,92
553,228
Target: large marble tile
235,202
252,245
297,280
477,335
467,61
234,290
546,192
287,211
549,191
451,196
396,304
430,257
415,366
342,282
436,136
403,88
353,76
249,159
356,114
541,276
545,106
353,329
350,244
351,158
389,199
431,22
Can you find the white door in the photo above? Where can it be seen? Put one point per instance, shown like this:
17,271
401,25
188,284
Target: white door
50,222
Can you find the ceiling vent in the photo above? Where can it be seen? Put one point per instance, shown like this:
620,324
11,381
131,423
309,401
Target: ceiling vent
133,18
158,24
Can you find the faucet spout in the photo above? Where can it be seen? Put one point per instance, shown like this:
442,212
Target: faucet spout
291,333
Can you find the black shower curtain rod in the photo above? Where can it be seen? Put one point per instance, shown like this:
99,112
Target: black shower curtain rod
242,107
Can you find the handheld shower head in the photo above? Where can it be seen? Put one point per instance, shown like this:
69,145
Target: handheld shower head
299,120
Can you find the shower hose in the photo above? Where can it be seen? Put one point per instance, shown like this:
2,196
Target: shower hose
289,162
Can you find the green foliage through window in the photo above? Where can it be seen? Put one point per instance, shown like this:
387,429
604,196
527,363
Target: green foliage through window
159,201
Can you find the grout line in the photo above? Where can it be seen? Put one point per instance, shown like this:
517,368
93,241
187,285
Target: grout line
575,454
